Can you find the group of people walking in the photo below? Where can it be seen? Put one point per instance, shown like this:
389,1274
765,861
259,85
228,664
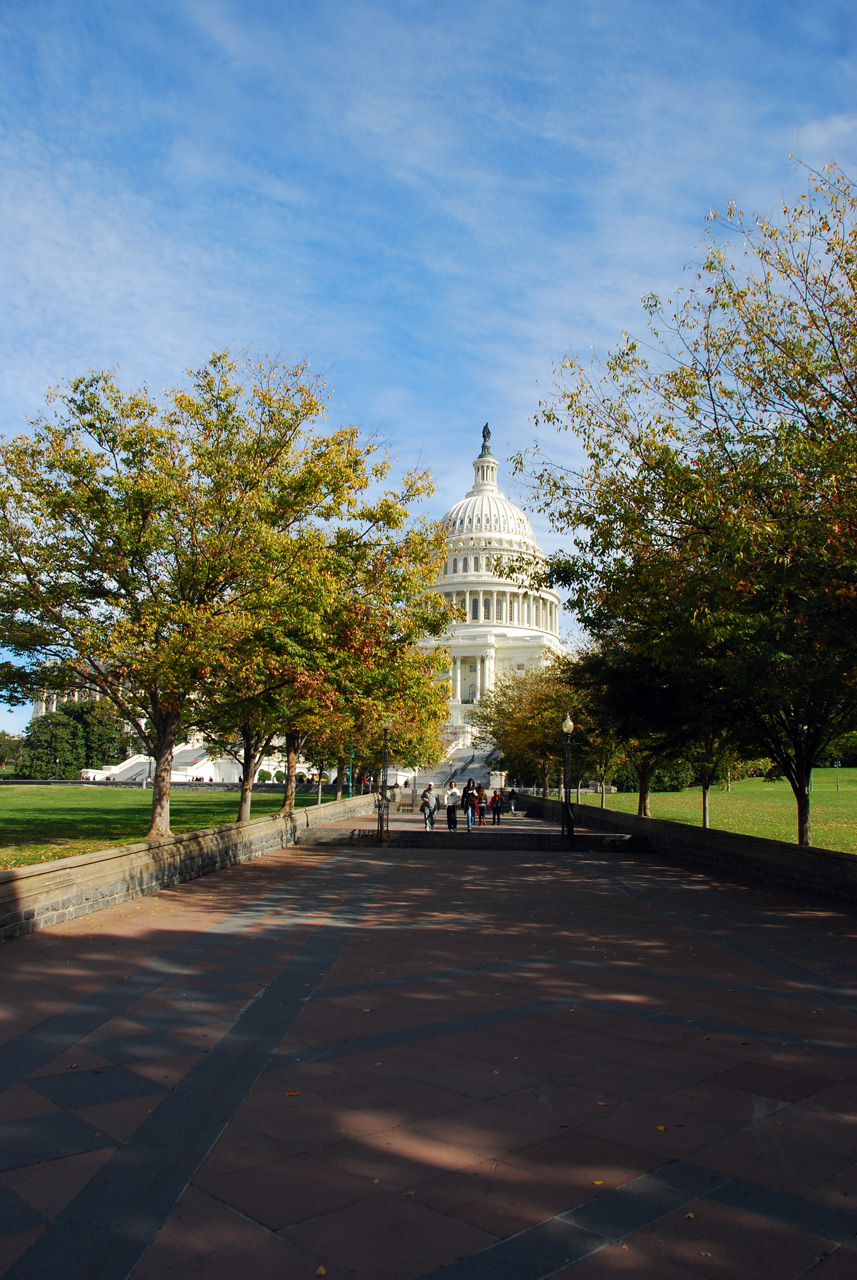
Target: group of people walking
474,800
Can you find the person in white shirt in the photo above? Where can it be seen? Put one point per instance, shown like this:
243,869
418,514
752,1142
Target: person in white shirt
452,799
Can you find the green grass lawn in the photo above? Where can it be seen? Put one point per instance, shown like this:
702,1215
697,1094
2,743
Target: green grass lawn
38,824
757,808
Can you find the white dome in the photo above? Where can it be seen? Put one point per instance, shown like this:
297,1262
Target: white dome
481,514
485,514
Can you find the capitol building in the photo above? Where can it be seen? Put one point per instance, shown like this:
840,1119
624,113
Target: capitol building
509,627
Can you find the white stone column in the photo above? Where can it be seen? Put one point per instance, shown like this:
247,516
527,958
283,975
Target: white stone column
480,662
489,674
456,678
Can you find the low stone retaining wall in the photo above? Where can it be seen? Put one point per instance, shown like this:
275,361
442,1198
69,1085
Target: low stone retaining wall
47,893
827,872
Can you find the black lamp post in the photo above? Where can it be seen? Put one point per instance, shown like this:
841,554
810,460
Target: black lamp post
567,811
383,797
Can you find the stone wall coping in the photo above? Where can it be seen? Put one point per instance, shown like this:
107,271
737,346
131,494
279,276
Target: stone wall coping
240,832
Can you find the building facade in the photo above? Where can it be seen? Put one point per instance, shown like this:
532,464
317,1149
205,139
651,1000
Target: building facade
510,627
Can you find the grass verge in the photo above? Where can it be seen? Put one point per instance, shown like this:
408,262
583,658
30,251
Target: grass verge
40,824
757,808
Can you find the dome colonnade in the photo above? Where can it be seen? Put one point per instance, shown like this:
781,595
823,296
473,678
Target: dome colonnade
509,626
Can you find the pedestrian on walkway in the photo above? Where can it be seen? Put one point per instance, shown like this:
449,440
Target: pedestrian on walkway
428,807
452,800
496,808
513,800
482,804
469,803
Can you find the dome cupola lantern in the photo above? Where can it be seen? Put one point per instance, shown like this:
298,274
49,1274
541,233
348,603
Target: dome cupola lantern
485,466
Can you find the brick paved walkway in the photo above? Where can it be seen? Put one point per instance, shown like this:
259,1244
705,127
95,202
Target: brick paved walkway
411,1062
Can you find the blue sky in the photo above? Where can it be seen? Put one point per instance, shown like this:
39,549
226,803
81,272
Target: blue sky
432,201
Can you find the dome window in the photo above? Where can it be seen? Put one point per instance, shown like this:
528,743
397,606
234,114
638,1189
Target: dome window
455,565
475,564
498,613
474,610
464,565
486,609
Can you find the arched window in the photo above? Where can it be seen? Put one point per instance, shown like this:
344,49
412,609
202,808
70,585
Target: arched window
455,565
486,609
474,610
498,615
464,564
475,564
445,568
487,563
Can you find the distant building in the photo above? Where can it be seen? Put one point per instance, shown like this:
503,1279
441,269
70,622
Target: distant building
510,627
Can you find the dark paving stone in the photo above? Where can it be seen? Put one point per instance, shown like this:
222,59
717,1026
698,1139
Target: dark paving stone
143,1048
530,1255
171,1018
226,974
202,995
16,1214
643,1201
47,1138
75,1089
770,1082
791,1211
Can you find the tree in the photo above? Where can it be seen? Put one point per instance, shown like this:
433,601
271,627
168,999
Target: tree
105,741
54,747
338,654
523,716
717,505
143,540
10,745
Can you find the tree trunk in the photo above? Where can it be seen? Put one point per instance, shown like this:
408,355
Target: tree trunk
545,781
706,791
340,778
804,828
163,752
246,798
603,793
644,778
578,791
292,746
320,783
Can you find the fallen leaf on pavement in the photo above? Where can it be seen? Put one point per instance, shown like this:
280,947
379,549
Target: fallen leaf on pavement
292,1093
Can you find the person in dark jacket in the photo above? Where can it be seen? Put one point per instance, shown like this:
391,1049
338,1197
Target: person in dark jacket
469,802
